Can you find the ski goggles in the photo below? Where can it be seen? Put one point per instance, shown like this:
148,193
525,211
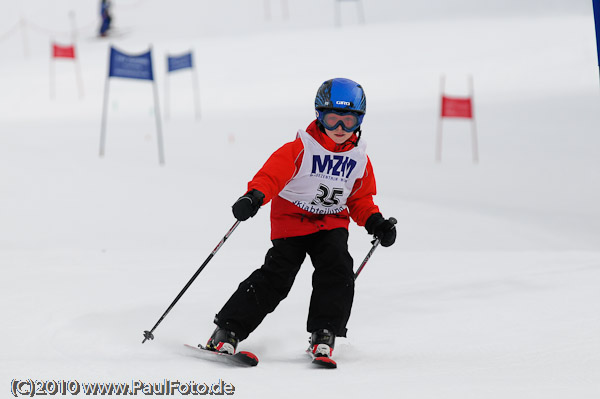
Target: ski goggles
349,121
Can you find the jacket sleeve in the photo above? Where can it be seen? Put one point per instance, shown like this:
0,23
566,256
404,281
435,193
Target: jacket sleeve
279,169
360,202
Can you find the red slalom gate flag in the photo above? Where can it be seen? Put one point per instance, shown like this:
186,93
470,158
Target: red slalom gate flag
453,107
63,51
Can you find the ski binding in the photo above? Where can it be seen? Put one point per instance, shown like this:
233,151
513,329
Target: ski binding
322,361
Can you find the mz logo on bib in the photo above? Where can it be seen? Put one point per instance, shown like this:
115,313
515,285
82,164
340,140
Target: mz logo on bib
334,167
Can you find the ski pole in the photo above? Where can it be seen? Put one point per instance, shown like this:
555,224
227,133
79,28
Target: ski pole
375,243
148,334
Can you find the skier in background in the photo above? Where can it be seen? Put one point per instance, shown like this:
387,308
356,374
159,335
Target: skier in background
316,183
106,17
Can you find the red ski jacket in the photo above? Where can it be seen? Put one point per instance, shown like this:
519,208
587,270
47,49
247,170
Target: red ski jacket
289,220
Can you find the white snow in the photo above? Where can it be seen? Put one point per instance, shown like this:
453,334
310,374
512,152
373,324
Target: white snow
491,290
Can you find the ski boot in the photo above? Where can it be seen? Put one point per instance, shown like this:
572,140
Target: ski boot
322,343
223,341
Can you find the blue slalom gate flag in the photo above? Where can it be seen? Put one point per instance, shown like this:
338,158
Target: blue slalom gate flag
596,4
179,62
130,66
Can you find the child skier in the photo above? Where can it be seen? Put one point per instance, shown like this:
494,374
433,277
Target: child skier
316,183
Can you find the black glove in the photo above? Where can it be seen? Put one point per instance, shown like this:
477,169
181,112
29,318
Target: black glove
381,228
247,205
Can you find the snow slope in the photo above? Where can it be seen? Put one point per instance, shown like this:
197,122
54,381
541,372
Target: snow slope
491,290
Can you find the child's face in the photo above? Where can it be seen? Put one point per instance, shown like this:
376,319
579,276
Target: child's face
338,135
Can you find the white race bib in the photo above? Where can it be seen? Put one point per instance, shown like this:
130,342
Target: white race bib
325,179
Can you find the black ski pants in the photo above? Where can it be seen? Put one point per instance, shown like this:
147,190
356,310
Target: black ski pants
266,287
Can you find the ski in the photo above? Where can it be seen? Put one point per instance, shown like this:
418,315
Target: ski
322,361
243,358
112,34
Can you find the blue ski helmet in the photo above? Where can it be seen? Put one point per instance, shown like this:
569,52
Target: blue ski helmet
341,96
